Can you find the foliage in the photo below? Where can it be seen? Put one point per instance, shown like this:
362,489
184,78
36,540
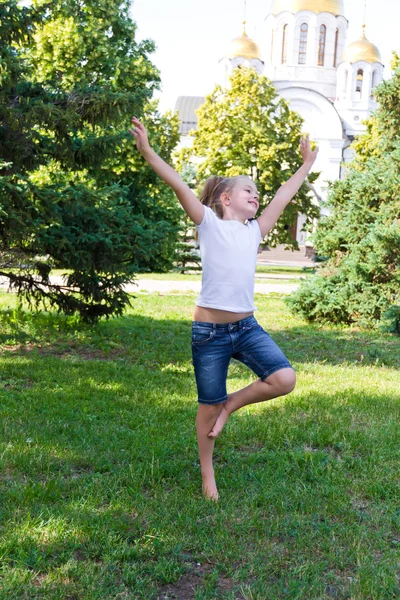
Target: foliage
74,193
187,258
361,237
246,129
391,319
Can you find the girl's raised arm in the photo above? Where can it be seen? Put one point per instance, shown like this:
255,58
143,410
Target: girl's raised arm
192,206
283,196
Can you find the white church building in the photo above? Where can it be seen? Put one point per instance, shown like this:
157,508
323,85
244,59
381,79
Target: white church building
329,82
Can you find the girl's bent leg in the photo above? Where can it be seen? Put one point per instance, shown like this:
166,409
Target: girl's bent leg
280,383
205,420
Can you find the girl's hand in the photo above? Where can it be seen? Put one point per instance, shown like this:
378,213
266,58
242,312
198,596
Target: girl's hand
140,134
308,155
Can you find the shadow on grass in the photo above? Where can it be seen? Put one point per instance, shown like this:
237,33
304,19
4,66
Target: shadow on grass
159,342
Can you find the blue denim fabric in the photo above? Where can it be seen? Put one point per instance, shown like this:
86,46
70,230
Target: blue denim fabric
213,346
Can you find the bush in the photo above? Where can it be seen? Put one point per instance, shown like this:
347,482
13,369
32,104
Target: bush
360,281
361,238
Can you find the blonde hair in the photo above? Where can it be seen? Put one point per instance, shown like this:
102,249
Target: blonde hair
212,190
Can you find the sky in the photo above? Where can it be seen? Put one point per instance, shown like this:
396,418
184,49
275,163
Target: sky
191,36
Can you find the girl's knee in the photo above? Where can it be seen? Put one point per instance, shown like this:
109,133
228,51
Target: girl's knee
283,381
290,381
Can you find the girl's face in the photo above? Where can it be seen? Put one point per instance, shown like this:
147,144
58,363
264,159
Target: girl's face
244,198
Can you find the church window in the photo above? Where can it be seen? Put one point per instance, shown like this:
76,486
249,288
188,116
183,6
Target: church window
284,43
345,80
374,79
359,82
321,47
303,44
336,48
272,46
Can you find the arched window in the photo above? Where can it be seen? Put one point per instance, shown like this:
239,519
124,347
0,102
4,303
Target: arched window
272,46
336,48
303,44
321,47
375,78
284,43
345,82
359,82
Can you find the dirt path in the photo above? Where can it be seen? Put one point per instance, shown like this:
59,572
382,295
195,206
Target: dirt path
165,287
153,285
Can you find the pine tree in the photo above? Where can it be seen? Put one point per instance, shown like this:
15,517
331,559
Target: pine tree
74,192
187,257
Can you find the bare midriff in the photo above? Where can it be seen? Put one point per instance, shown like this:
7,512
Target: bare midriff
214,315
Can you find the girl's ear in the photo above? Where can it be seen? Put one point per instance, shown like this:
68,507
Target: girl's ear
225,199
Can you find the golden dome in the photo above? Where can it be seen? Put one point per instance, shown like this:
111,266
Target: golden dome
316,6
243,46
362,49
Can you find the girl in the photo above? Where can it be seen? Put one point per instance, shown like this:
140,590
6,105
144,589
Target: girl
223,324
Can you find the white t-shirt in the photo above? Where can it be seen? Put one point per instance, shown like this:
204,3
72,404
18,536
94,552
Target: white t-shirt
228,251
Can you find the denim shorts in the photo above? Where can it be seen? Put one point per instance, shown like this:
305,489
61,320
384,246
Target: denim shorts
213,346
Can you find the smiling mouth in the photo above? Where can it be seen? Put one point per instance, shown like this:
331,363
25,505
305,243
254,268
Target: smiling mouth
253,202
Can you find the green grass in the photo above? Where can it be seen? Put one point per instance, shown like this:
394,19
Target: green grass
100,481
170,276
283,270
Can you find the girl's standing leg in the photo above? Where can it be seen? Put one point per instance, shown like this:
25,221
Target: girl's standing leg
211,352
206,417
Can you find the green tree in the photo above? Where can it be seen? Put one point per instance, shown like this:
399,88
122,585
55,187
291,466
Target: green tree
246,129
74,192
187,257
361,237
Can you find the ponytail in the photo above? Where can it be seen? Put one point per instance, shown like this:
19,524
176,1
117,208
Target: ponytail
213,188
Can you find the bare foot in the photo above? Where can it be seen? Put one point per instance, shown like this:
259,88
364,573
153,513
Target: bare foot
210,491
219,423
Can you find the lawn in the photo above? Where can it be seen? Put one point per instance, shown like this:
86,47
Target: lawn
100,480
